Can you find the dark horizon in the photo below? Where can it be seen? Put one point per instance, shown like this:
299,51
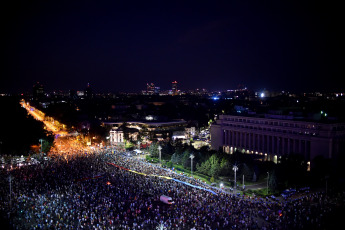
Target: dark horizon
115,47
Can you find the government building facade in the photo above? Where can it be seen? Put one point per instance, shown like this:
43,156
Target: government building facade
273,138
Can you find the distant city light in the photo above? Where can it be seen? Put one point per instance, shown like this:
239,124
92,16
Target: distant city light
215,98
149,118
262,95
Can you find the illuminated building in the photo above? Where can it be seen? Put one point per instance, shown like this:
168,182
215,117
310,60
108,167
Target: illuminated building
88,91
174,88
38,91
152,130
116,136
150,88
276,137
80,93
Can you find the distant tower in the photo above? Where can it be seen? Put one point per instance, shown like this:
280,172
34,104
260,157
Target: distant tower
38,91
174,88
73,94
150,88
88,91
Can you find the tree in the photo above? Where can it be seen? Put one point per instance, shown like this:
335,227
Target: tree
48,142
19,127
215,166
204,168
185,159
224,167
176,158
272,181
153,150
292,170
247,171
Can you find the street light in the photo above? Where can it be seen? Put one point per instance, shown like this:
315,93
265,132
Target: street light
243,183
235,168
159,149
191,163
10,180
268,175
41,140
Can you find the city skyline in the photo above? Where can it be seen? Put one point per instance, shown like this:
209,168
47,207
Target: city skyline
214,45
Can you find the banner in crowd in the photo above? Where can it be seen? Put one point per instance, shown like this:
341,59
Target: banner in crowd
169,178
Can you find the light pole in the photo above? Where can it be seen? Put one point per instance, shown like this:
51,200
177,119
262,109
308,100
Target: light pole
159,150
41,140
10,180
191,163
243,182
268,175
235,168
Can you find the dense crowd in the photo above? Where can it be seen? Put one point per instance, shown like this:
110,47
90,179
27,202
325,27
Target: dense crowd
84,191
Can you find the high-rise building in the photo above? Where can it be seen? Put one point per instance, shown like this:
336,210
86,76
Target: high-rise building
157,89
38,91
150,88
174,88
88,91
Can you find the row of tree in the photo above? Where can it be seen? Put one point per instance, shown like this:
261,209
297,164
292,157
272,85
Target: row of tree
290,172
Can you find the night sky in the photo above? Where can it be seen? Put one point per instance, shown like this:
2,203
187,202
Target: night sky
217,45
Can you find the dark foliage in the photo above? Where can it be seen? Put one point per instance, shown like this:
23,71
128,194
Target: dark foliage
19,130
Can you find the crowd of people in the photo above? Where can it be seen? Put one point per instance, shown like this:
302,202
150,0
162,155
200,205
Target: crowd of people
84,191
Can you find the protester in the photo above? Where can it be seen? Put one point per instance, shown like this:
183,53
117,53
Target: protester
83,191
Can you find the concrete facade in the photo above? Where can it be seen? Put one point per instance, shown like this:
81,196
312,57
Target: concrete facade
116,136
277,137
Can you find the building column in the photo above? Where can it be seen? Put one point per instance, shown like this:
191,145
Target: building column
252,141
230,138
245,140
283,146
226,137
271,144
239,139
278,145
233,138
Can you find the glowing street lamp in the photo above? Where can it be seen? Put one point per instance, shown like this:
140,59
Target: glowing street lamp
191,163
159,150
41,140
10,180
235,168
